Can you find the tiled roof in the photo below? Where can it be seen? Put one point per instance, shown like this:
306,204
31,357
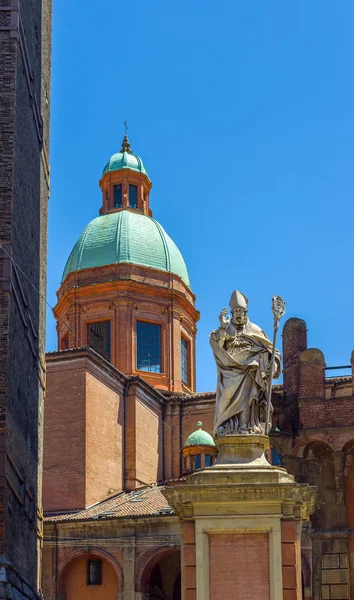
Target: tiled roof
143,502
188,395
339,379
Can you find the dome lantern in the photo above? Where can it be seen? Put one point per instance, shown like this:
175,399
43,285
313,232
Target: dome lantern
199,450
125,182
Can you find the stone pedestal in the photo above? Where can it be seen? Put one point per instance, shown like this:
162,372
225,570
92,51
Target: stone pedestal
241,525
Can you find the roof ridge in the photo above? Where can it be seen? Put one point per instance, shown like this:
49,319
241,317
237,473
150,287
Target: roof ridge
162,233
118,237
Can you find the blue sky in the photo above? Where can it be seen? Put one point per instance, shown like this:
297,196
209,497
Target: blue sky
243,114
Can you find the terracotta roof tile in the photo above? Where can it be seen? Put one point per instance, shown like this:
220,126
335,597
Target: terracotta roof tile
147,501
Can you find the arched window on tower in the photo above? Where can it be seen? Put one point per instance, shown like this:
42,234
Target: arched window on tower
117,193
133,196
184,361
65,342
148,347
99,338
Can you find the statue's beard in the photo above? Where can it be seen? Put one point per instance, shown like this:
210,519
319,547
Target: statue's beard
240,321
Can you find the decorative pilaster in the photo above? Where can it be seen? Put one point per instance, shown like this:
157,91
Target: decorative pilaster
129,570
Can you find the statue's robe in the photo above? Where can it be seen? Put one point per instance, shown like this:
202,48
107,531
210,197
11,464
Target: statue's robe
242,375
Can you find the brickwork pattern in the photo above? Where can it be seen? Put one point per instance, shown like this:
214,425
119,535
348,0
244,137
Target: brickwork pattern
104,439
230,558
336,412
291,561
312,374
84,407
24,132
144,439
189,560
148,441
294,343
64,462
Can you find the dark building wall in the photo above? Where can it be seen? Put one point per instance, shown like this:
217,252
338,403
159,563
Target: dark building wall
25,49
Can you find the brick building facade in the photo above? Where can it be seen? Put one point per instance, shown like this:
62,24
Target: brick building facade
25,50
118,413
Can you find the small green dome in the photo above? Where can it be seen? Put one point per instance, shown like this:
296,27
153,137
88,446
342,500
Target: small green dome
126,237
199,438
125,159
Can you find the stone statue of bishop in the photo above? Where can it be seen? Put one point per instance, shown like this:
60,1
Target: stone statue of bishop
242,352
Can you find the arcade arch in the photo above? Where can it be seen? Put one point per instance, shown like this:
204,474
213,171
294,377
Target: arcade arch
89,576
160,575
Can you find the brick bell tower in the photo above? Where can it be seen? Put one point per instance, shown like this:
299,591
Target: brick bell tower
125,289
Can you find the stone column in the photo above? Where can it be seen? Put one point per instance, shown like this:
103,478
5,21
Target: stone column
241,525
129,571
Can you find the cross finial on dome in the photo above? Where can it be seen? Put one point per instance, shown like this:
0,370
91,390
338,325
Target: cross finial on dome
125,144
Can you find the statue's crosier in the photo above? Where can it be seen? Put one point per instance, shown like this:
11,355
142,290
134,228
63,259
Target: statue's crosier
242,353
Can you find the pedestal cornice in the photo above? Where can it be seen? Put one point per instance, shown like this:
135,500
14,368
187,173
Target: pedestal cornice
241,477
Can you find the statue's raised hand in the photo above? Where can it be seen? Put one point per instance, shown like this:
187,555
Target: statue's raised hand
224,319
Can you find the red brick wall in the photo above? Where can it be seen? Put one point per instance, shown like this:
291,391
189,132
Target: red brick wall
336,412
189,561
291,561
294,342
64,437
312,374
148,443
104,440
83,432
144,438
192,413
230,560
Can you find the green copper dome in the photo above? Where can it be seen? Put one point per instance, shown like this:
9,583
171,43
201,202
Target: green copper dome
125,159
126,237
199,438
